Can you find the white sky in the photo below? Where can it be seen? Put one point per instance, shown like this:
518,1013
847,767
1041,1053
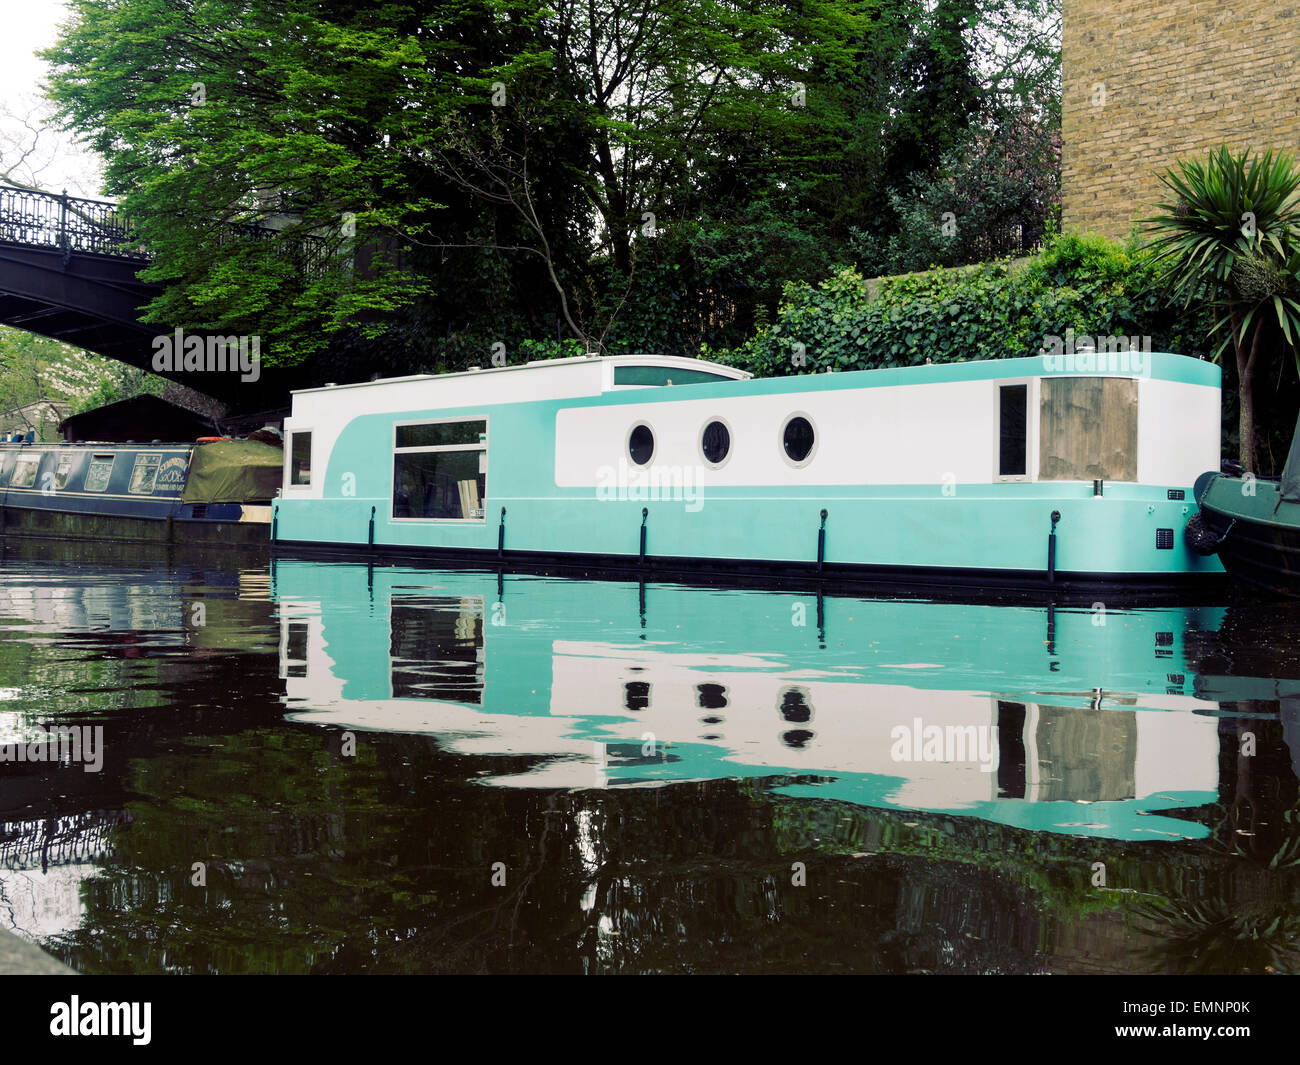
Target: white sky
27,26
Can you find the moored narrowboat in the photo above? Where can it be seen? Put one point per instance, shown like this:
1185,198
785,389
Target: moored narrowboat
1020,472
1253,525
215,493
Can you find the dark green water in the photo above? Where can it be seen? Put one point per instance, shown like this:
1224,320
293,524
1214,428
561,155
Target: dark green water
330,768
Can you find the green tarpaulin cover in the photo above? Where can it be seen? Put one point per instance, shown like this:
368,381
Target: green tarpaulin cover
1291,472
233,471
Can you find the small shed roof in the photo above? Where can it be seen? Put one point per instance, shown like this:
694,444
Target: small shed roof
140,419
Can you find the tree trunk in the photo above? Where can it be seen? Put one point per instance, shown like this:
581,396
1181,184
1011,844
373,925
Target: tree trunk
616,221
1246,356
1246,418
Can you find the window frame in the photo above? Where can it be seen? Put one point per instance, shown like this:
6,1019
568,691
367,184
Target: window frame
806,461
1031,430
731,442
153,481
481,447
64,466
654,444
289,471
25,459
90,465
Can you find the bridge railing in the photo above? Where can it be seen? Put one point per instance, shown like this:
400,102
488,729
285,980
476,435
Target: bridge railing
70,223
98,227
311,254
68,839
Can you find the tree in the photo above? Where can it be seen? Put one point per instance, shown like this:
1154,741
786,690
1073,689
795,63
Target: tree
34,157
1230,237
34,368
438,179
998,193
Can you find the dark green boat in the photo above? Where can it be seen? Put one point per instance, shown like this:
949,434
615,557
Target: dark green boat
1252,524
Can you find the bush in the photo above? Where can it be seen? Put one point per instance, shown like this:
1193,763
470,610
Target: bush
991,311
999,192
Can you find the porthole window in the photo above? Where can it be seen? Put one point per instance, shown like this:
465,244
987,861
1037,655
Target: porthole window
641,444
798,440
715,442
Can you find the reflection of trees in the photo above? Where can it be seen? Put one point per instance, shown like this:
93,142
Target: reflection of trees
1214,937
1248,921
1237,910
383,862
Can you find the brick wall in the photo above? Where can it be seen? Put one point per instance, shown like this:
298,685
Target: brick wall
1147,82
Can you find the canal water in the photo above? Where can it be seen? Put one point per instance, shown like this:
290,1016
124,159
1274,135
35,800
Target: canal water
297,767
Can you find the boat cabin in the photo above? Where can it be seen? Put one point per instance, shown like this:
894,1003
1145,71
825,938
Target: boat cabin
561,458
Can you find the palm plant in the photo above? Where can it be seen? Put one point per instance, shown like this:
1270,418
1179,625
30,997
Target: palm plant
1231,237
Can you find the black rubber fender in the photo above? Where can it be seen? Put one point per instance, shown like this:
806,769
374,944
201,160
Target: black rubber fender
1198,537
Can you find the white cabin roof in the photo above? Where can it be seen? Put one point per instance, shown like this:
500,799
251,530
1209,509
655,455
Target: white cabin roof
547,378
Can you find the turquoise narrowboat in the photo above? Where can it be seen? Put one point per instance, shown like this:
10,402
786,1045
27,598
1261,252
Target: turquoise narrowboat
1013,472
215,493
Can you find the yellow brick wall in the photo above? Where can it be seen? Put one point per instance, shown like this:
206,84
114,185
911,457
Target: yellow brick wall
1144,83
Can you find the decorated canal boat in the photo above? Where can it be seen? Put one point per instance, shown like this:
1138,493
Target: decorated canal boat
216,493
1020,471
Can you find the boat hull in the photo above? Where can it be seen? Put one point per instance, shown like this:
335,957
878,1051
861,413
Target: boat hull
233,531
1003,538
1258,537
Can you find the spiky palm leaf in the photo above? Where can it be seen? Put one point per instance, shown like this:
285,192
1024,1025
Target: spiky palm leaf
1233,222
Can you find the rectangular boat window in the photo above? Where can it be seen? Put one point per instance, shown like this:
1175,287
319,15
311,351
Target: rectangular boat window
664,375
300,458
25,471
144,473
63,471
441,434
101,468
440,470
1013,401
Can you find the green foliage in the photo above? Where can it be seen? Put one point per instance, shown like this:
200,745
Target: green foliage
536,350
756,136
34,368
997,192
1231,237
127,384
1229,240
996,310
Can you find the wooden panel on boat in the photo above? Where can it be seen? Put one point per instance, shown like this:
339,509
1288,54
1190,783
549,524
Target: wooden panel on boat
1088,429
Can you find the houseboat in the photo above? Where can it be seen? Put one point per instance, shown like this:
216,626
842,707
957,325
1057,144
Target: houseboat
1014,471
213,493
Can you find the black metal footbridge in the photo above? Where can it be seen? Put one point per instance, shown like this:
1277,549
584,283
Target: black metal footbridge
68,271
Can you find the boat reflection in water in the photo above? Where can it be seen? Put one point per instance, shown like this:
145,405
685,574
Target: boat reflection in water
1079,721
